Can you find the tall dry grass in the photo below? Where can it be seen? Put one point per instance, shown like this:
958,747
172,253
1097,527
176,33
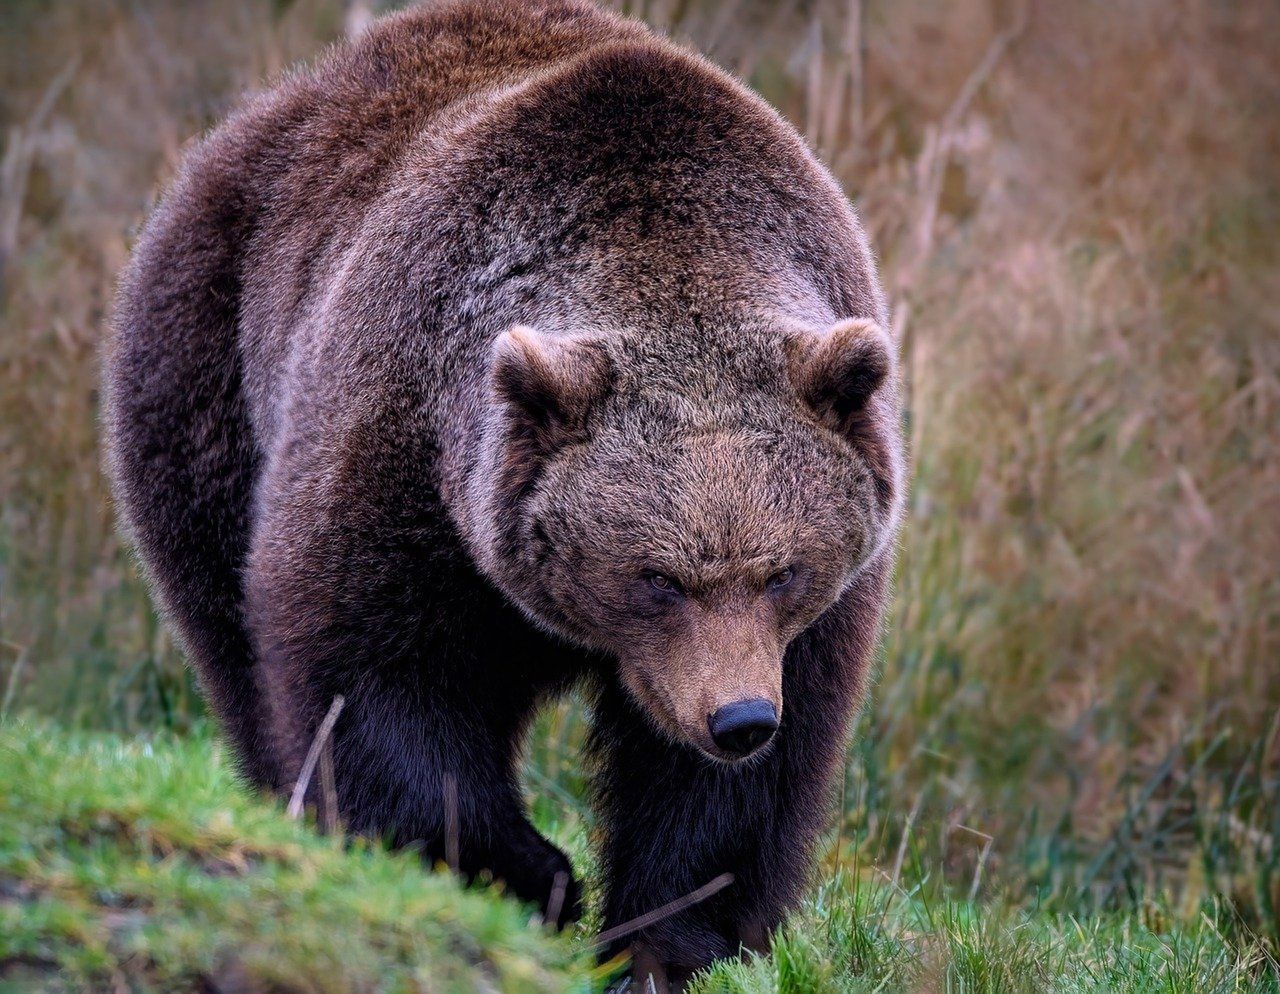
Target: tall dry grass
100,98
1075,206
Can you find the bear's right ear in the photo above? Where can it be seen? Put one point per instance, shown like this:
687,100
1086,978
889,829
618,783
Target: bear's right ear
550,383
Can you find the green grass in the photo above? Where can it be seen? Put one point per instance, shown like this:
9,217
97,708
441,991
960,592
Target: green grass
141,864
860,937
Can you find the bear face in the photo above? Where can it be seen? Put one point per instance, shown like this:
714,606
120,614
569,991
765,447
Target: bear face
692,537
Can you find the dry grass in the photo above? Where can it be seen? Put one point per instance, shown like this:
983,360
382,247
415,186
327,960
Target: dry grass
101,97
1075,206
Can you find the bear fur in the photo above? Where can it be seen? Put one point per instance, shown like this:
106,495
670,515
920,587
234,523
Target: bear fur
510,349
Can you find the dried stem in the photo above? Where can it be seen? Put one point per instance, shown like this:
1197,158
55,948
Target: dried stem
666,911
313,757
451,826
555,904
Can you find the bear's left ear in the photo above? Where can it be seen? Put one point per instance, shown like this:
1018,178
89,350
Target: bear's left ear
550,382
836,374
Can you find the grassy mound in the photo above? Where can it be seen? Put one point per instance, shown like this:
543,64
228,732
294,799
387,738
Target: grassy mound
143,866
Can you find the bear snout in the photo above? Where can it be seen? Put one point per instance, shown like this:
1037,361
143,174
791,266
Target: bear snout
741,728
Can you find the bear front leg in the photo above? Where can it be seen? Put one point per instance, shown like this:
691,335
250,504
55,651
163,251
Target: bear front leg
365,598
410,772
427,778
675,819
672,824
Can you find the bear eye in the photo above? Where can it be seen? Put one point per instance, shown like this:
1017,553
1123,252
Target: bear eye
664,584
781,578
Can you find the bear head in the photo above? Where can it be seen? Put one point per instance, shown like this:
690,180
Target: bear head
690,525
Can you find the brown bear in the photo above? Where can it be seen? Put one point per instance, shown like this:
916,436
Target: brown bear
509,349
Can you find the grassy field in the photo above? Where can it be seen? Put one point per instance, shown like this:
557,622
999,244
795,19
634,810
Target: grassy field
1068,774
142,865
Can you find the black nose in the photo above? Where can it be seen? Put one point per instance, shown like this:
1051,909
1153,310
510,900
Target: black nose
744,726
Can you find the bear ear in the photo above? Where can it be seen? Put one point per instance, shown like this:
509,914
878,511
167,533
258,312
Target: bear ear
551,382
837,373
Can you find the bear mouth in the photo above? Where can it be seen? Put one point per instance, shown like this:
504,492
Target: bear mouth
721,758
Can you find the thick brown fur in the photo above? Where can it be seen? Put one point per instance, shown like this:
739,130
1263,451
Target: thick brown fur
509,348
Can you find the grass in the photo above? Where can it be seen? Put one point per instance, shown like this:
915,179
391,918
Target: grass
142,865
858,938
1072,746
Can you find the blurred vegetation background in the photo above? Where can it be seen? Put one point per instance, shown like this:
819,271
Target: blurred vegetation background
1076,208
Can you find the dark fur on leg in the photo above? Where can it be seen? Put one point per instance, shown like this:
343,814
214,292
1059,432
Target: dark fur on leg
673,819
182,454
429,739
